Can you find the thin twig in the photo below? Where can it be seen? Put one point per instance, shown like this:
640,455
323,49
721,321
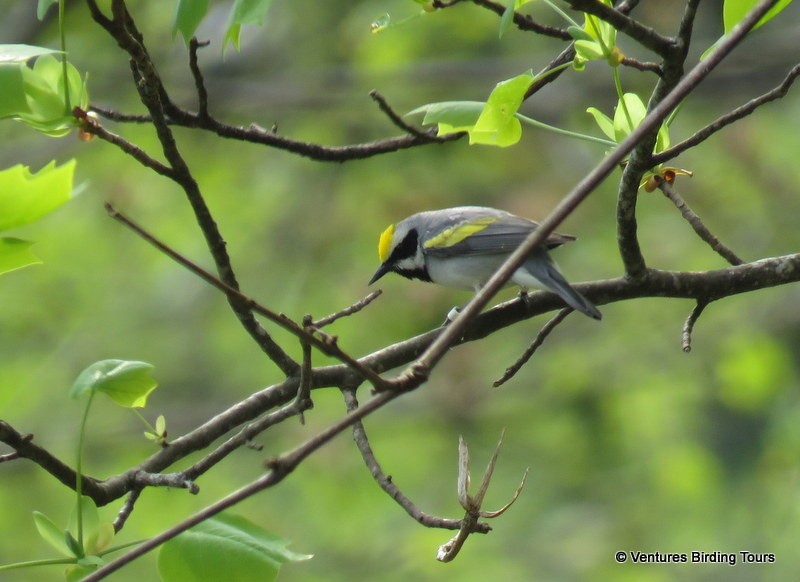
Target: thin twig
9,457
114,115
396,118
543,79
512,370
91,126
197,74
354,308
688,326
448,551
697,224
643,66
523,21
385,482
126,509
723,121
303,399
242,438
327,344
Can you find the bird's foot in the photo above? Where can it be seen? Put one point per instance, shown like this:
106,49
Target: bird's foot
451,315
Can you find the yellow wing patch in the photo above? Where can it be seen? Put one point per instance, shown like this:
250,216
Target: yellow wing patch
385,243
454,235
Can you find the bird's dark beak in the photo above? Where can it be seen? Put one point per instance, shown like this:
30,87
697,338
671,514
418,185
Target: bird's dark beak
382,270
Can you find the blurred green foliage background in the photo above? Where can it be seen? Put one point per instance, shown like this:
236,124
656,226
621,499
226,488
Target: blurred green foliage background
631,443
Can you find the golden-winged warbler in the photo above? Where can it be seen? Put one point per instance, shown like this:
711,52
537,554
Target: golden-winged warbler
462,247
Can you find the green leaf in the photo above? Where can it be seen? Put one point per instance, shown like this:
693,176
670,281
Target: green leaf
188,16
588,50
452,116
662,140
73,544
733,11
600,30
41,8
244,12
26,197
51,533
578,33
497,124
77,572
508,17
44,91
635,109
15,254
20,53
12,90
102,539
128,383
161,424
491,123
225,547
603,121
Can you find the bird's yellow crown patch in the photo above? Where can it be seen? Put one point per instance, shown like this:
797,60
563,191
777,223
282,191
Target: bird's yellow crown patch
454,235
385,243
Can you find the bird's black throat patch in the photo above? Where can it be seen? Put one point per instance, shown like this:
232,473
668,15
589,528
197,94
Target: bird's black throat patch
421,274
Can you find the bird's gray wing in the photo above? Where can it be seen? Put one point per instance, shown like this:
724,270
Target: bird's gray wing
486,235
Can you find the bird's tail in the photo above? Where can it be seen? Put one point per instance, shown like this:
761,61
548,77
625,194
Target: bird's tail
548,275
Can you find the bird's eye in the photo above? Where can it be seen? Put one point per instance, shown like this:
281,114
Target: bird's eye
407,247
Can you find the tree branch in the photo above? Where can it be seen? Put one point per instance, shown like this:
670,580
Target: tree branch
644,35
641,156
700,286
725,120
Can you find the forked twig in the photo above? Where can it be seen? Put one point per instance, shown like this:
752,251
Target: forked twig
472,503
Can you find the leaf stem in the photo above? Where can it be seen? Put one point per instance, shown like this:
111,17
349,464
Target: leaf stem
63,34
79,469
562,14
584,137
146,422
621,96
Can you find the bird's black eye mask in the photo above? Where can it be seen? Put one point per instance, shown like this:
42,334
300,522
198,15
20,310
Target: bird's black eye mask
406,249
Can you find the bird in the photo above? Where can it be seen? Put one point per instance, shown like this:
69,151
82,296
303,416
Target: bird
462,247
